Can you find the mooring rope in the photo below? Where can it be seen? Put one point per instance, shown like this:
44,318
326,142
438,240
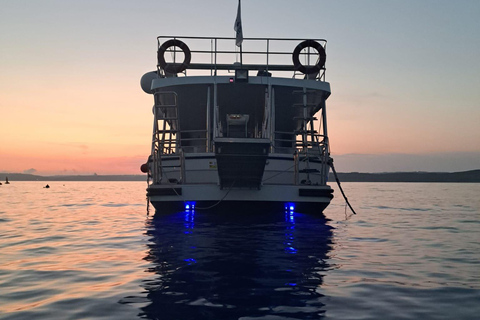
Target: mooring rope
148,198
330,163
219,201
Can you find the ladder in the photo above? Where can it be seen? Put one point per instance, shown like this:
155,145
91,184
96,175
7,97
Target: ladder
309,143
166,137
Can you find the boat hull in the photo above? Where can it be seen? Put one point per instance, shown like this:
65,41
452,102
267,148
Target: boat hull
301,198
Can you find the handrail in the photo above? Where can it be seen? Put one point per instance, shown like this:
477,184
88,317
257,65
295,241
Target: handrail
234,39
259,54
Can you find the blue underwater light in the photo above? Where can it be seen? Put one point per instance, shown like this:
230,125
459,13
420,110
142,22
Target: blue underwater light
290,206
189,206
290,212
189,216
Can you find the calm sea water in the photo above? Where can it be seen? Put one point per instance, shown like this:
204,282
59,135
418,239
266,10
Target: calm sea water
87,250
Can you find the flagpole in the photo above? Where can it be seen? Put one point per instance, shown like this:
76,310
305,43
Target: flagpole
241,62
239,32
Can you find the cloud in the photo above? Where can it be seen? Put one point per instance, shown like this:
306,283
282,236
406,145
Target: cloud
71,145
30,171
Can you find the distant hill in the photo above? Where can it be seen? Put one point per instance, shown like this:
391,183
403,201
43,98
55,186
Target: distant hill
464,176
31,177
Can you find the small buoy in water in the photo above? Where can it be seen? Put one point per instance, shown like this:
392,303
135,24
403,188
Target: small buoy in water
47,186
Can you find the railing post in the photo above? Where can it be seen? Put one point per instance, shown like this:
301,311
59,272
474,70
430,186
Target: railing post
208,124
268,51
295,173
183,177
215,57
272,118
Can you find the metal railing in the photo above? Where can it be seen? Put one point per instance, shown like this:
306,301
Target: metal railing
220,55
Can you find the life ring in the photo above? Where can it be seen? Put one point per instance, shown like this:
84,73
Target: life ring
309,69
174,67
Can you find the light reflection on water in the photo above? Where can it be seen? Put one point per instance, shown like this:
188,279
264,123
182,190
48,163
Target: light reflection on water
86,250
229,266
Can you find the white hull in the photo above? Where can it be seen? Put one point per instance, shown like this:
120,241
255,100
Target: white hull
280,188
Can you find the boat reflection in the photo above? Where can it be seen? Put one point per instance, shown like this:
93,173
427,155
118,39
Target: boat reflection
233,265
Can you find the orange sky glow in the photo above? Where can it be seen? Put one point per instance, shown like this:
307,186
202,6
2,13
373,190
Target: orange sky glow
71,103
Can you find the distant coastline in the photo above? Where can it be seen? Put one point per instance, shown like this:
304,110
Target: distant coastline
472,176
32,177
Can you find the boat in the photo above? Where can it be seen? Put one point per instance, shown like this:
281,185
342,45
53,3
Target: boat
239,128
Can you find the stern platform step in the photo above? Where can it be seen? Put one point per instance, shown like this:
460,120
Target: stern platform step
241,161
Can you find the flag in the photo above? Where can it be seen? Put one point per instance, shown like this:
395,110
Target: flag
238,27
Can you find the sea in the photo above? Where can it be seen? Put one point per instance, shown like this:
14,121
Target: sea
96,250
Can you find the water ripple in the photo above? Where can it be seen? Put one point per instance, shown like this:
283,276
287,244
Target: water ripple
88,251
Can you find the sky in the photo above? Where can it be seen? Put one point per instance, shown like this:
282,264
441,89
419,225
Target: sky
404,74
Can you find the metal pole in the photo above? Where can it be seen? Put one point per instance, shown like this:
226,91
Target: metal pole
208,120
215,110
241,60
324,120
268,49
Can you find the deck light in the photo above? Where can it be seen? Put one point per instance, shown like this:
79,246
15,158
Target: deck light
241,75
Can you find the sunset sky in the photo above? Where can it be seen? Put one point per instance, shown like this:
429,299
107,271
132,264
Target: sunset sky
405,78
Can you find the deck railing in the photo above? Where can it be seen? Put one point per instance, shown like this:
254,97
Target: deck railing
220,56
